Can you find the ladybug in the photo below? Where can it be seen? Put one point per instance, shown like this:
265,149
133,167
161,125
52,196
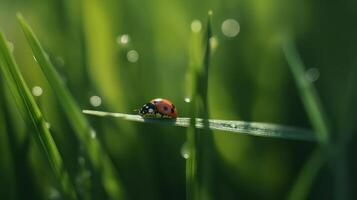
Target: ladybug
158,108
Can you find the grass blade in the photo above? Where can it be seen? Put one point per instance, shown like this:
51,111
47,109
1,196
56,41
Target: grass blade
238,127
308,93
306,177
34,118
317,117
98,157
205,142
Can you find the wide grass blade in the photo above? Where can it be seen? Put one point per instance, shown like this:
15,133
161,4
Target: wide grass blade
33,117
232,126
98,157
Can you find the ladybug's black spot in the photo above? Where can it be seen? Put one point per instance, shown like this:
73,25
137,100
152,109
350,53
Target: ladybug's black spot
166,108
147,109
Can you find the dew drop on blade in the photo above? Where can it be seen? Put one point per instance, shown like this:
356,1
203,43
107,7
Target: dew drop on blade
95,101
213,42
185,151
312,74
48,125
93,134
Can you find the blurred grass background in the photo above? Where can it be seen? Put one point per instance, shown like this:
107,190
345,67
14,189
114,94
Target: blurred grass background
249,80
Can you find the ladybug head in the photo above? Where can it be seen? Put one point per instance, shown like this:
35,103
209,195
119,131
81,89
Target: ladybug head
147,109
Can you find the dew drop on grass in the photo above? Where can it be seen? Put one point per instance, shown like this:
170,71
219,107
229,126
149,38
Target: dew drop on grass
34,58
48,125
196,26
95,101
132,56
312,74
233,126
187,100
123,39
93,134
37,91
213,42
230,28
185,151
11,46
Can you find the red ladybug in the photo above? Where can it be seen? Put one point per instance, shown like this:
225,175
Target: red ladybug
158,108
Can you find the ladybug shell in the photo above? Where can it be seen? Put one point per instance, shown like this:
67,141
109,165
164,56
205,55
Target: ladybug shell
165,107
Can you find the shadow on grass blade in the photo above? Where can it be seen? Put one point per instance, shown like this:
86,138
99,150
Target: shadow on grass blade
34,118
98,157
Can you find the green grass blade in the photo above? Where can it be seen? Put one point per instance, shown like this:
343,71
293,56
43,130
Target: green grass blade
317,117
238,127
205,141
307,175
98,157
308,93
34,118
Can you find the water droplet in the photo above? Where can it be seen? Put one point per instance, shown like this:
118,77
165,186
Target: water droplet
10,45
230,28
196,26
213,42
185,151
48,125
123,39
312,74
187,100
37,91
34,58
93,134
210,12
95,101
233,126
132,56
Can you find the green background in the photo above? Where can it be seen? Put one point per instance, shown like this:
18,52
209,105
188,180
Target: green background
249,80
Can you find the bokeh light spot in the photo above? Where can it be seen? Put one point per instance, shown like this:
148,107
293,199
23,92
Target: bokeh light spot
123,39
230,28
37,91
312,74
95,101
132,56
196,26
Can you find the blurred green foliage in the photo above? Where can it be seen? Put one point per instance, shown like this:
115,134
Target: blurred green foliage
249,80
